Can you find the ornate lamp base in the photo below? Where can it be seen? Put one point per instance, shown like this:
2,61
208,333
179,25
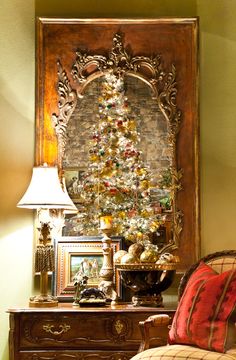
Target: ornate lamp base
44,262
43,301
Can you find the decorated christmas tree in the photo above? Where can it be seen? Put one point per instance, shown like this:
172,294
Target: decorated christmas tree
117,181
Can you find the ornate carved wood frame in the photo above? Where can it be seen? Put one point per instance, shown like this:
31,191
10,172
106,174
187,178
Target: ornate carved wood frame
69,247
162,53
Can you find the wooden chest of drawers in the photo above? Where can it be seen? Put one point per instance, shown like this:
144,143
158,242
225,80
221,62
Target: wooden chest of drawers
72,333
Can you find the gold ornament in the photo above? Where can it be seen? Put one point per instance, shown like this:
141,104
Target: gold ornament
129,259
132,125
139,236
145,184
154,226
118,255
122,215
149,255
136,249
94,157
130,237
145,213
140,171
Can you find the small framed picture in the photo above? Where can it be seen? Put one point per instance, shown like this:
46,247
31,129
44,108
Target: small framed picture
73,176
80,255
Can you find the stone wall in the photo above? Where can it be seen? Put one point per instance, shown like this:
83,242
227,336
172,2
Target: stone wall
151,125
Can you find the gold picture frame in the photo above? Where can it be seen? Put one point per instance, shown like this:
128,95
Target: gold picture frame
71,253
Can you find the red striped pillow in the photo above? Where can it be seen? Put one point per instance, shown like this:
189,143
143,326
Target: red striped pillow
203,315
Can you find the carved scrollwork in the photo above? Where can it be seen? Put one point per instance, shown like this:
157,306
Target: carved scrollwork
84,63
55,356
163,84
167,103
177,225
119,62
66,105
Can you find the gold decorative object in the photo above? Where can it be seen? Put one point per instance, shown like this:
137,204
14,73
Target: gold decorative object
149,276
118,255
129,259
136,249
119,326
50,329
146,266
44,255
149,255
147,281
44,262
107,271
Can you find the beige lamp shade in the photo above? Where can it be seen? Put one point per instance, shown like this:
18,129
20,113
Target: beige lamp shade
45,191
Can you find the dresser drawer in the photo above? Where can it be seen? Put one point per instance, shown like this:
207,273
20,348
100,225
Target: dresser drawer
106,331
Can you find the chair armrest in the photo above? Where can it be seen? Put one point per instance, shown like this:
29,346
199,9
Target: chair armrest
152,321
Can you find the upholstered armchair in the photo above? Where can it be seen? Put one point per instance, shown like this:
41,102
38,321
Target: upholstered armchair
204,323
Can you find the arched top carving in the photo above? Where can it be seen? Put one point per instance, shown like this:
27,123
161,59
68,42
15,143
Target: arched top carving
88,67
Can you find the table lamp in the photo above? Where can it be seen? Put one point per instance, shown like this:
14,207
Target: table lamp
45,193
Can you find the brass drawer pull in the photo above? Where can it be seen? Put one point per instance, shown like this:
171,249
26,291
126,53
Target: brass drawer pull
63,329
119,325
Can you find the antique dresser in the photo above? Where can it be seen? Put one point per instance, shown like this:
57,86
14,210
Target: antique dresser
75,333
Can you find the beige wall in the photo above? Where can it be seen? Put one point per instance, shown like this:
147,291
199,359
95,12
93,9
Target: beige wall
115,8
218,127
17,153
218,123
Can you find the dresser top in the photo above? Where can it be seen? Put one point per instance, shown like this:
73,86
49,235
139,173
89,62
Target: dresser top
69,307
